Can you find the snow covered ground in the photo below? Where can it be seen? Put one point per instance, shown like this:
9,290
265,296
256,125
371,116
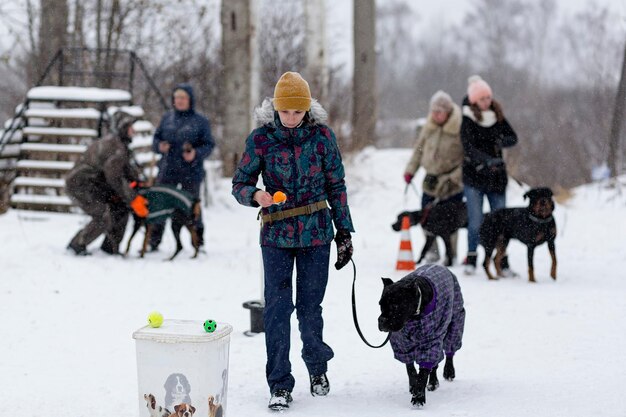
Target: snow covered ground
544,349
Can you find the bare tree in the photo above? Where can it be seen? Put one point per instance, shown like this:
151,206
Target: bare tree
238,22
364,80
52,31
618,119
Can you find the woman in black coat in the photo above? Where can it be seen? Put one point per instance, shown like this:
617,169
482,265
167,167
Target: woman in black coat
484,132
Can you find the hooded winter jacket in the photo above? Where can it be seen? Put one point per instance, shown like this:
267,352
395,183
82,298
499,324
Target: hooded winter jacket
178,128
305,164
103,172
439,151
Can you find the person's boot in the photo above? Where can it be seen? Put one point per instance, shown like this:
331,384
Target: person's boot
79,250
280,400
319,385
470,263
507,272
108,247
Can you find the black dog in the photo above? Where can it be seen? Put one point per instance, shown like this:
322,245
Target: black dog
165,201
441,219
532,225
424,313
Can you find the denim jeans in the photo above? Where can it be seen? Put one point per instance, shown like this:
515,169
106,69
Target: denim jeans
311,279
474,199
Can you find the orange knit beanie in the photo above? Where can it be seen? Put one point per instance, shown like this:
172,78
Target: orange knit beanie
292,93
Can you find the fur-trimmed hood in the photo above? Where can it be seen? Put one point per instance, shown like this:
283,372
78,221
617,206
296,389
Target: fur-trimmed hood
264,113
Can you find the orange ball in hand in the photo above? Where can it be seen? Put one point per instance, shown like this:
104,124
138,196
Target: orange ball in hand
279,197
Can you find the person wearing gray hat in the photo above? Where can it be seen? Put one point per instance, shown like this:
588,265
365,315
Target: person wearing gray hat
439,151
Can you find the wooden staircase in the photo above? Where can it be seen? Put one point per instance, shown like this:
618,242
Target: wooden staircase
50,133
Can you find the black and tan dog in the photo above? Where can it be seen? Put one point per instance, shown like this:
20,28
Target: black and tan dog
532,225
441,219
165,201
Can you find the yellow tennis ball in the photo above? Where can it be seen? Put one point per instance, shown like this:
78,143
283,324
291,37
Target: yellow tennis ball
155,319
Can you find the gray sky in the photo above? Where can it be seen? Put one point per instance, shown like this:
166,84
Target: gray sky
339,22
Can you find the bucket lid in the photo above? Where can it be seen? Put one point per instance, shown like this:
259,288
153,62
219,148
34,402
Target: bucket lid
182,331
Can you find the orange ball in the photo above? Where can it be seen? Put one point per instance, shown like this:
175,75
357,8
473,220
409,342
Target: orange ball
279,197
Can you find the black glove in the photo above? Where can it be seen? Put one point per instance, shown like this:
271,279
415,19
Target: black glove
344,248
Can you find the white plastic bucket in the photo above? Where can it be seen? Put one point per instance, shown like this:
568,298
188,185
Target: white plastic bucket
180,362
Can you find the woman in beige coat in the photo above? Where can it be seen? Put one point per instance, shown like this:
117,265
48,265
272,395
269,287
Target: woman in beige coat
439,151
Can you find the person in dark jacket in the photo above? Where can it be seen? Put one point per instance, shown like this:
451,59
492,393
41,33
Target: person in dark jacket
99,185
484,133
298,155
184,141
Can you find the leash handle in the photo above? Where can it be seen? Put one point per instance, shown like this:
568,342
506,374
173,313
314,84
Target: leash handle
356,322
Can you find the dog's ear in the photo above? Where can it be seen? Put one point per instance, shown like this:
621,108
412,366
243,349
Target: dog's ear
386,281
177,407
193,409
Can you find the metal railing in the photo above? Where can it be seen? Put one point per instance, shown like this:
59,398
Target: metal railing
80,67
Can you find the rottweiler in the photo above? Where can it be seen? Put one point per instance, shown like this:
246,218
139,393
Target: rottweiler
532,225
167,201
440,219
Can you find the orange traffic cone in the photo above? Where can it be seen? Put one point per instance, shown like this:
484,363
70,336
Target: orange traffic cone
405,256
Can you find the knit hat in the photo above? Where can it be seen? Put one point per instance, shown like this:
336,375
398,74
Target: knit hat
441,101
477,88
292,93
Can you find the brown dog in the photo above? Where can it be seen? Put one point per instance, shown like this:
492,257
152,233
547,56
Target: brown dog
215,410
183,410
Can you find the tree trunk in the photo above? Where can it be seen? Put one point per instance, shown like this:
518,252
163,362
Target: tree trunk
618,119
239,79
52,33
316,71
364,81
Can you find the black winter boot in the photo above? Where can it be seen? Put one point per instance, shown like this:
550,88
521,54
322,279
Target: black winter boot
280,400
319,385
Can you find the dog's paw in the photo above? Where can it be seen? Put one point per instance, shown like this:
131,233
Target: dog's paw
448,370
418,400
432,385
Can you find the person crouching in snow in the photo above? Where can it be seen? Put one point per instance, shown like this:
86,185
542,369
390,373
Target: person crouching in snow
297,154
99,185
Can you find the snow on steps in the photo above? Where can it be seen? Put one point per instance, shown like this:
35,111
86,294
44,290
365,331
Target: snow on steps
50,166
42,201
39,182
51,147
84,94
86,113
60,131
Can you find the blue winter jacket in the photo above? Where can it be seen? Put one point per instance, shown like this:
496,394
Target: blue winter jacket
177,128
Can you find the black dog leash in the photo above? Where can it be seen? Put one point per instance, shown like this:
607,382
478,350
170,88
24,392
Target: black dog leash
356,322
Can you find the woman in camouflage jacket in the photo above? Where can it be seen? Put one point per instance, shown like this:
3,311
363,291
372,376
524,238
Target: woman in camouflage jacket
296,154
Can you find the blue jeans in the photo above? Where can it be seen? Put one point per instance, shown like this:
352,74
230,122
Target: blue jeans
474,199
311,279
